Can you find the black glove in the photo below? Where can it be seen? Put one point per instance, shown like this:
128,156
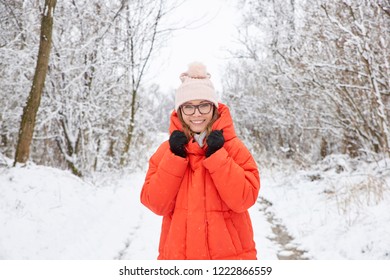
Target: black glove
214,142
177,140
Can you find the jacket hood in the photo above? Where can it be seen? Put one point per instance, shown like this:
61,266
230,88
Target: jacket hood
224,122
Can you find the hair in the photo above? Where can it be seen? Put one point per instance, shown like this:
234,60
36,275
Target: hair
186,129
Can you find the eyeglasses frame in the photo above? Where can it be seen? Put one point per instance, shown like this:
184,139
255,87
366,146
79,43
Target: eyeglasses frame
196,107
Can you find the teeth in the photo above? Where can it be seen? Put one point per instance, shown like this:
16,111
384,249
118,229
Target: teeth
197,122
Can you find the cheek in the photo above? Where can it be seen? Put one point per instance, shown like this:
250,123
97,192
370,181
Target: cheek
209,117
186,121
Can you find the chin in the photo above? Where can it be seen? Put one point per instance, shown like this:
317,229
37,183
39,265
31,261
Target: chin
198,130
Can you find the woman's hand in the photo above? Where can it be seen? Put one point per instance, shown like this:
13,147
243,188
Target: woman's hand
214,142
177,141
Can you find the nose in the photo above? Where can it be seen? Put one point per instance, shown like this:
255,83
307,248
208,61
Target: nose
197,112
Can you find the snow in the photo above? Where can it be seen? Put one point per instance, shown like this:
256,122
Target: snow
338,209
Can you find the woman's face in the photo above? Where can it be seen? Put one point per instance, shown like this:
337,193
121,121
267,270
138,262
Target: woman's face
197,114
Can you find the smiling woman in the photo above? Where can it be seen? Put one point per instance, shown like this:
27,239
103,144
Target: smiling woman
203,179
197,115
195,92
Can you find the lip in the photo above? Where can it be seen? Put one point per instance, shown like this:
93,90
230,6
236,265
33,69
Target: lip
197,121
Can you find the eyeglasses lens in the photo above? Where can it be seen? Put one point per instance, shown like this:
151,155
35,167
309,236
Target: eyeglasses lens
203,108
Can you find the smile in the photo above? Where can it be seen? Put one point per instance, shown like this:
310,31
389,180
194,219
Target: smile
198,121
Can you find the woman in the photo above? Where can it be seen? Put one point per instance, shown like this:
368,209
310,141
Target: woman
203,179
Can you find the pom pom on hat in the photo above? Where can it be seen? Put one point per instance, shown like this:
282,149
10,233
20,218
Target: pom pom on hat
196,85
197,70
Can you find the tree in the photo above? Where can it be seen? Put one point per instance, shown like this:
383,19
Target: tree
30,110
100,56
316,75
97,82
19,26
142,25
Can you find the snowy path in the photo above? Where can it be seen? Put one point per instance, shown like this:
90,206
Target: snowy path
142,242
272,238
63,217
306,205
47,213
143,231
289,250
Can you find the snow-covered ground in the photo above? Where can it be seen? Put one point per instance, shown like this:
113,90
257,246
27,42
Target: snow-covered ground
339,209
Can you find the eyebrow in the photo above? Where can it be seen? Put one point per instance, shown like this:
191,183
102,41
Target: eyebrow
201,102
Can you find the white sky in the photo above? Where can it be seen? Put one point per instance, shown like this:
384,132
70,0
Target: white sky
206,42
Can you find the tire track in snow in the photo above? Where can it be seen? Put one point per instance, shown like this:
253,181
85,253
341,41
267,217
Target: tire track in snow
288,248
122,253
143,238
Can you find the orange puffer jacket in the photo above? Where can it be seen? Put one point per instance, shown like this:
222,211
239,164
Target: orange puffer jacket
204,201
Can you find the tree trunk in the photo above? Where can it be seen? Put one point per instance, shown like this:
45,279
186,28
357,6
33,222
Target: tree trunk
130,129
30,110
140,66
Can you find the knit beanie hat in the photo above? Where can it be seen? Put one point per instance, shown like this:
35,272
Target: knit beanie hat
196,84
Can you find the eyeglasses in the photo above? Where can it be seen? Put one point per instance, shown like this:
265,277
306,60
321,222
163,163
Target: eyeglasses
203,108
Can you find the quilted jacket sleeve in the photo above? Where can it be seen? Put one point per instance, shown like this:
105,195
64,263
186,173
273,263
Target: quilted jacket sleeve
235,176
162,181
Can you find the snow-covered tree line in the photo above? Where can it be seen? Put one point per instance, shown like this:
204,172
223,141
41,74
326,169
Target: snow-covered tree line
92,114
311,78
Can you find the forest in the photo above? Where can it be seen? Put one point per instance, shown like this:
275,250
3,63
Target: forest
308,79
